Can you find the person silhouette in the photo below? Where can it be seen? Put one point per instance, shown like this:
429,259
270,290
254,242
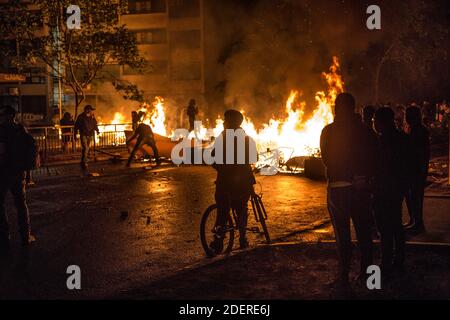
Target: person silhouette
419,141
348,148
235,179
144,135
134,120
86,125
367,116
391,181
192,111
17,155
66,123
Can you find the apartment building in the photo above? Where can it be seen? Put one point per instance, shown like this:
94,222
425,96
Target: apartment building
170,37
29,90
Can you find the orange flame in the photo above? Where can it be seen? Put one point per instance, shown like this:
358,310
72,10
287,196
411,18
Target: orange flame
292,135
114,132
155,116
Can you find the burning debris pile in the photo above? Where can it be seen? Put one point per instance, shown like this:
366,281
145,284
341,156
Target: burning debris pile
295,135
292,136
154,115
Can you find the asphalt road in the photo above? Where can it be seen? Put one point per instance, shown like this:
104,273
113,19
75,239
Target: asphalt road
127,228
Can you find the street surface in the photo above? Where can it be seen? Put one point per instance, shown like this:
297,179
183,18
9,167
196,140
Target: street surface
130,227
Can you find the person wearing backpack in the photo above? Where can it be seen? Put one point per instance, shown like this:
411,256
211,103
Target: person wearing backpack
18,153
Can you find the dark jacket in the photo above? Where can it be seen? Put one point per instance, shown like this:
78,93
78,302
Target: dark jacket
66,122
86,125
143,131
135,120
235,178
3,146
419,142
18,149
393,164
348,149
192,111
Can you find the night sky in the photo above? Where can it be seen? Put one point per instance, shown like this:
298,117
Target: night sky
258,50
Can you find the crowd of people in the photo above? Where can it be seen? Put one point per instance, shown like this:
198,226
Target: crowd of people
436,116
373,164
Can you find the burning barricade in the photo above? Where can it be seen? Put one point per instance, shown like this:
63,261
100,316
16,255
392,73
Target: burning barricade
290,143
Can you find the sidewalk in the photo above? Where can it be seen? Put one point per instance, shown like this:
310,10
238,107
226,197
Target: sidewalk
298,271
103,165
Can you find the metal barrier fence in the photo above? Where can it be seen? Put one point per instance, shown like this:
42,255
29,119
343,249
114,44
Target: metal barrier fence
58,142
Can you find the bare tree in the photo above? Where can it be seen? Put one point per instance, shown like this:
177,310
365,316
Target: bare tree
411,39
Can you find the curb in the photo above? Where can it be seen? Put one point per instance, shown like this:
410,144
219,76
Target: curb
117,171
205,262
437,196
209,261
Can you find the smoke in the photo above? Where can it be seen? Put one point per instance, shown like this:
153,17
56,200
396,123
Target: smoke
268,47
257,51
274,46
111,101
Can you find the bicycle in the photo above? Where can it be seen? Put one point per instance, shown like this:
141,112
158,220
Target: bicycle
209,230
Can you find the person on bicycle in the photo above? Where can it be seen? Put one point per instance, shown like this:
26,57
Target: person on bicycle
234,152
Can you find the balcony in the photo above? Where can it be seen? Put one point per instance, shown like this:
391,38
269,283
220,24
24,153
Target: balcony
145,20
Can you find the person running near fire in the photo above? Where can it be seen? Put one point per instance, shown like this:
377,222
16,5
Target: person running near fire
235,179
144,135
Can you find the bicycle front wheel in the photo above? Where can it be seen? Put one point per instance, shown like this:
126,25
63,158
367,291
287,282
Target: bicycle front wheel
210,231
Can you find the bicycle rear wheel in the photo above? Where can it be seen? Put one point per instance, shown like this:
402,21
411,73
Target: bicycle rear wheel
209,231
262,215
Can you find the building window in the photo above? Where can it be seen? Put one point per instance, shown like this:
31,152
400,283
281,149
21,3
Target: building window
147,6
191,71
153,36
37,18
184,8
129,71
109,71
185,39
153,68
35,75
34,104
